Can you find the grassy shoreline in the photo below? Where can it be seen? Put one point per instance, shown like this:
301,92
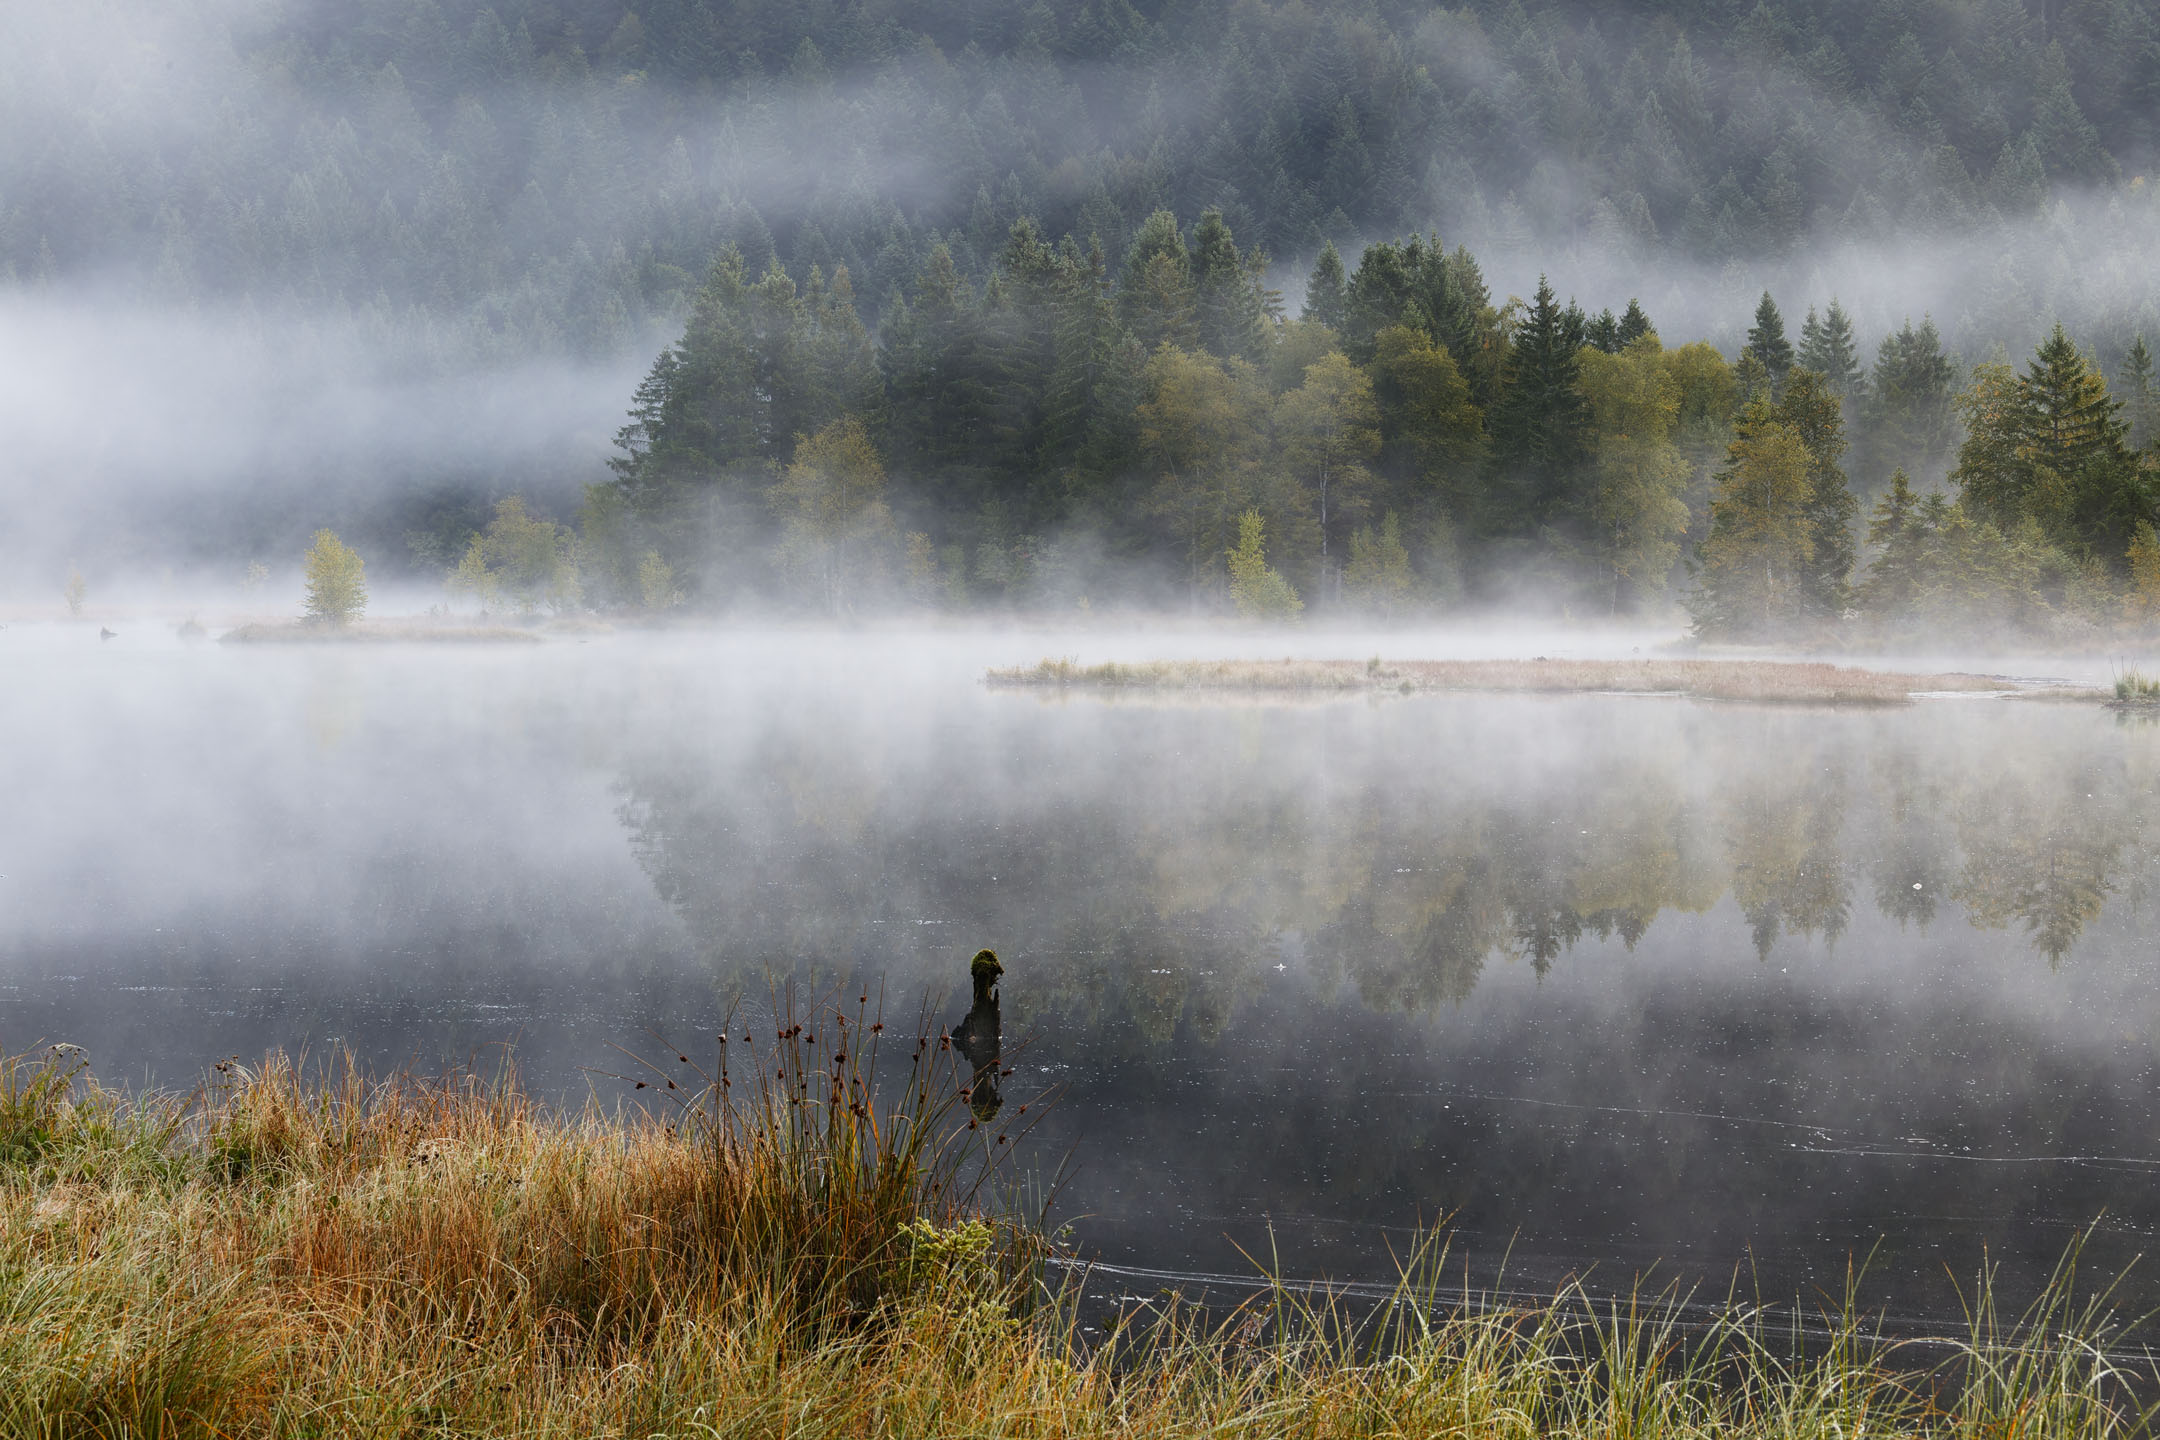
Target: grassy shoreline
1773,681
780,1254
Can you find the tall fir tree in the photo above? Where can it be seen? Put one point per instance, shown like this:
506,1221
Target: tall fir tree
2068,419
2049,446
1156,297
1766,341
1602,334
1540,425
1230,312
1828,348
2140,393
1812,409
1910,410
1324,298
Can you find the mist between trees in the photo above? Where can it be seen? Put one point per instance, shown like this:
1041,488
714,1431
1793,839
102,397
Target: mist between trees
1079,433
520,175
467,188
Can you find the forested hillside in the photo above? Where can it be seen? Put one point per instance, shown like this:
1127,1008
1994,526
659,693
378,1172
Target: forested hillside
1284,307
559,173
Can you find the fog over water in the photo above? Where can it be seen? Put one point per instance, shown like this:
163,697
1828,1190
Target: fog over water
1613,981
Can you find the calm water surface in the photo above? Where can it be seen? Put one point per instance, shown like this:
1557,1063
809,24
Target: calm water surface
1615,983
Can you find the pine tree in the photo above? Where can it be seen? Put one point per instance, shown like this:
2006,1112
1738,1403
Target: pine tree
2068,418
2140,395
2085,489
1089,406
1827,347
1602,334
1898,533
1468,325
940,386
1911,402
704,406
1324,298
1157,294
1540,425
1811,339
1230,313
1767,343
2049,446
1815,415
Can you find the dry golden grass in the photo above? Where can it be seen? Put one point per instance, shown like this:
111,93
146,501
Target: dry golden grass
286,1257
1761,680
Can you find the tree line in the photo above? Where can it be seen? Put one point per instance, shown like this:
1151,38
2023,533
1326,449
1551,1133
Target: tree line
1159,429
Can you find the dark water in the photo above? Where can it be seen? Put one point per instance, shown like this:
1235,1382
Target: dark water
1607,982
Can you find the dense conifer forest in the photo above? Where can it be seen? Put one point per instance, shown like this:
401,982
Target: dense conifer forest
1793,312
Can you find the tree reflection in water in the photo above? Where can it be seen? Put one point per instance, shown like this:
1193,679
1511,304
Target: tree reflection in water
1166,888
1534,964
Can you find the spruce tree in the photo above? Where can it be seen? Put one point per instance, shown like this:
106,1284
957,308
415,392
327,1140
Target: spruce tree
1232,320
1827,347
1089,405
1603,333
2140,394
715,413
1157,294
1324,298
1911,402
2087,490
1811,339
2067,416
1468,325
1809,406
2049,446
1766,341
1634,324
1540,424
1899,533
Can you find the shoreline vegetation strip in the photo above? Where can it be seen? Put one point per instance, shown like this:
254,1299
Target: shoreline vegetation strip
778,1245
1762,680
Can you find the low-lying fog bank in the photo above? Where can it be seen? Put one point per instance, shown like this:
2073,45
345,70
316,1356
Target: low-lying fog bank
919,646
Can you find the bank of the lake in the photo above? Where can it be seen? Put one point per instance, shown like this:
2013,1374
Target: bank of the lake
1753,680
285,1255
360,632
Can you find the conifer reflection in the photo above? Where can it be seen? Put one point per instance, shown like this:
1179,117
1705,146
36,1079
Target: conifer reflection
1158,896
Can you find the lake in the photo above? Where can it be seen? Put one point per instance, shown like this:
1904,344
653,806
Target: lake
1608,984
